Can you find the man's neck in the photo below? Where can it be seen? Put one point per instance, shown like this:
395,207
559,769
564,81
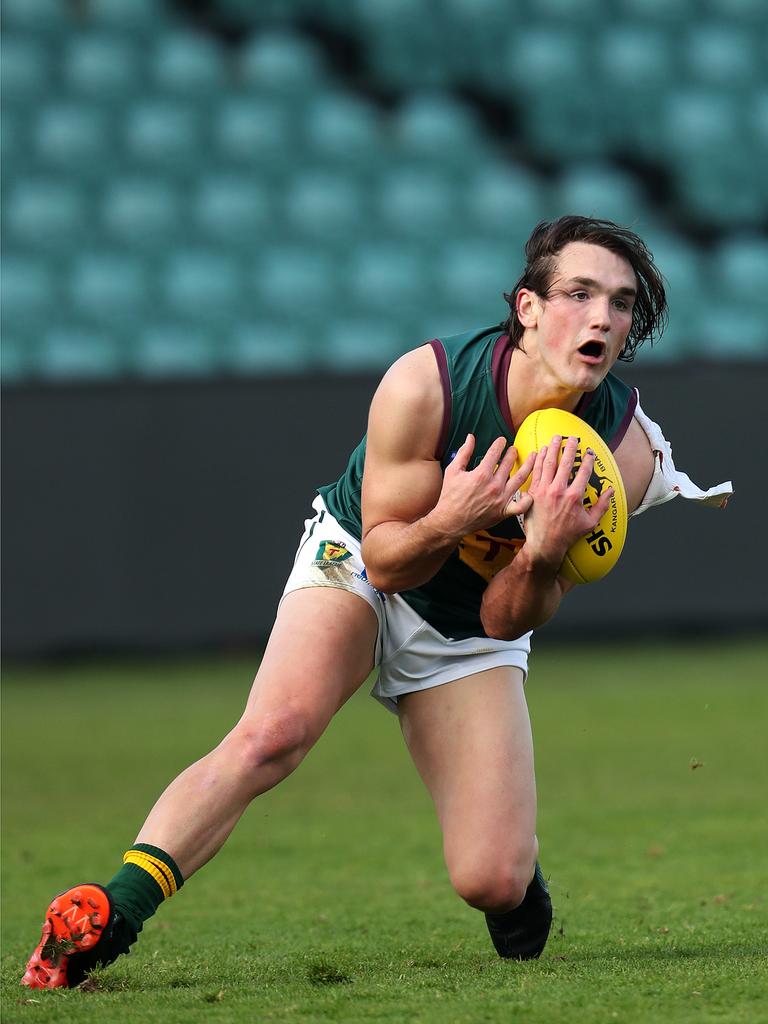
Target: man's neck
530,386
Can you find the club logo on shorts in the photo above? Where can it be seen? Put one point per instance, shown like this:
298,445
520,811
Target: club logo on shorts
330,551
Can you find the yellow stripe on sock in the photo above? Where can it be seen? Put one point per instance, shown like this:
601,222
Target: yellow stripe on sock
142,860
162,866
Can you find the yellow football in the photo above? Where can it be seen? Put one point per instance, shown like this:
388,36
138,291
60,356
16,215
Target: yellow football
593,556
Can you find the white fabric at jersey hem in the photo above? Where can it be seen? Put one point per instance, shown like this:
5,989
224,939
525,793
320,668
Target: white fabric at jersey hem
668,482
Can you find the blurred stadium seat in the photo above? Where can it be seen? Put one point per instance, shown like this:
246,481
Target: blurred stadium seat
164,134
36,15
267,347
505,200
281,63
390,278
601,190
46,214
173,349
342,130
324,207
361,344
133,16
25,69
80,353
102,66
28,293
299,281
232,210
109,288
418,202
202,286
254,132
142,212
74,138
188,64
436,129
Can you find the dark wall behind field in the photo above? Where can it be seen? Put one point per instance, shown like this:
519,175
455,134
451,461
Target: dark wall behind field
166,516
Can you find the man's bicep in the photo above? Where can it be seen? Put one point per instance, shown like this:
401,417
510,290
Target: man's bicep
402,479
635,459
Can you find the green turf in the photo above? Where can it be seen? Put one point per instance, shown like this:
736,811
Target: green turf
330,901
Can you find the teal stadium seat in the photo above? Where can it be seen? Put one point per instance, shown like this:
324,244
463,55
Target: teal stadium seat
747,12
138,17
361,344
102,66
25,70
740,270
601,190
17,358
14,147
45,214
436,129
188,64
504,202
637,67
681,265
471,277
173,349
232,209
675,14
405,42
266,347
254,133
73,138
281,63
545,69
28,295
296,281
342,130
79,353
417,203
164,135
389,279
141,212
723,56
202,285
110,289
757,127
472,29
325,207
44,16
727,336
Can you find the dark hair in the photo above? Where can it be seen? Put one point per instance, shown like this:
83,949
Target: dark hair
549,238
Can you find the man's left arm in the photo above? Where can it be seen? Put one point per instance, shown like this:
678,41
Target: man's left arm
528,592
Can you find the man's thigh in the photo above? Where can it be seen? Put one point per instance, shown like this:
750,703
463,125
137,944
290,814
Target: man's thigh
320,651
471,742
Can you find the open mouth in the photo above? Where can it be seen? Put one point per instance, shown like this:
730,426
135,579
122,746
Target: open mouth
592,350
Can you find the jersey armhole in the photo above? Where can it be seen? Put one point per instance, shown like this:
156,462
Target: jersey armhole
445,380
626,419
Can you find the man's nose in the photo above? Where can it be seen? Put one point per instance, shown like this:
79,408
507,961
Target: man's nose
600,314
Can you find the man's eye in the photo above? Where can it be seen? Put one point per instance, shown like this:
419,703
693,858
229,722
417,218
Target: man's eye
579,295
621,304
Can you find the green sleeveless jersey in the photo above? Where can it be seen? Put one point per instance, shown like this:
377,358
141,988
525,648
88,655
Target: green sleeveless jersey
473,369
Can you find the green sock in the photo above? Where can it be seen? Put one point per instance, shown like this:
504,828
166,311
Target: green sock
148,876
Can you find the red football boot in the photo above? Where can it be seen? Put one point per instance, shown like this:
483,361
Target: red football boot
74,924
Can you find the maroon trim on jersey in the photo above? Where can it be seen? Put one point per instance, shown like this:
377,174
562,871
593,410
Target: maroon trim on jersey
584,402
500,360
445,380
623,427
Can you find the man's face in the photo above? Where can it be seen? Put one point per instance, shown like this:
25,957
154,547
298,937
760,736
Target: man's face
578,331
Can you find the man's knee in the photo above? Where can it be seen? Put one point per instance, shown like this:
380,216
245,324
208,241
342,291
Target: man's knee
496,884
275,741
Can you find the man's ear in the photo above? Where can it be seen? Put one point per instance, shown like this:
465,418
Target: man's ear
528,307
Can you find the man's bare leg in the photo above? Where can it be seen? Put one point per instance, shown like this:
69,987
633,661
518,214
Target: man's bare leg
302,681
471,742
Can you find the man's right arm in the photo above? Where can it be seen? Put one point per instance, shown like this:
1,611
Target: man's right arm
413,514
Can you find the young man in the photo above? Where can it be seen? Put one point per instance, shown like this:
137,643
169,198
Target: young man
417,557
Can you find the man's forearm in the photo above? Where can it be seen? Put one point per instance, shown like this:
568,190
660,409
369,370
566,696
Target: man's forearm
399,556
524,595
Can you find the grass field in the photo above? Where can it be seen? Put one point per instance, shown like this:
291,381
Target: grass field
330,901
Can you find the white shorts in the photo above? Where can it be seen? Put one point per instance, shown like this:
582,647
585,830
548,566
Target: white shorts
410,654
